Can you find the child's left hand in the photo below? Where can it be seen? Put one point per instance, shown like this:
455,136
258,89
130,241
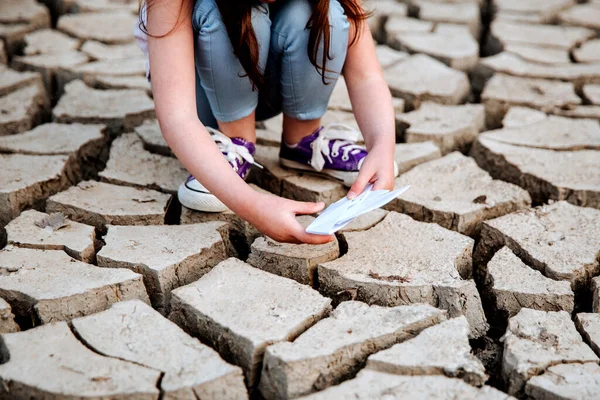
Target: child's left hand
378,168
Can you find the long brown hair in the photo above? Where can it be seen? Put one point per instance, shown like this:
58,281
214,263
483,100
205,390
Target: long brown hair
237,17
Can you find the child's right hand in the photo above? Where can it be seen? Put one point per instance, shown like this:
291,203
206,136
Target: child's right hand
276,217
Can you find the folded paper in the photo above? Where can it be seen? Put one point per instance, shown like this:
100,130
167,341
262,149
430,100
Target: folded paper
344,211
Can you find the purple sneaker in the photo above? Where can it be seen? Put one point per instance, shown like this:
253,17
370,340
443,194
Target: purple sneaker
240,155
331,151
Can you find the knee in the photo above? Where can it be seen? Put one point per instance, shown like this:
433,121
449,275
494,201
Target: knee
292,19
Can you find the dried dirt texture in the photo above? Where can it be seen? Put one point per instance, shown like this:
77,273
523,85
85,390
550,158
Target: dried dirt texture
50,286
439,350
409,155
92,26
36,230
215,308
295,261
168,256
421,78
23,109
560,240
456,194
566,381
119,110
430,265
7,318
28,180
536,340
100,204
449,127
130,164
132,331
503,92
336,347
49,362
514,285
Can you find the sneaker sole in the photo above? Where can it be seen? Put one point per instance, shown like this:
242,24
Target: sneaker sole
347,178
198,201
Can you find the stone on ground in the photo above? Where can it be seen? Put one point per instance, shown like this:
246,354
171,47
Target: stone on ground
295,261
589,52
50,362
80,6
592,93
511,64
589,112
130,164
125,67
23,109
465,13
588,325
50,286
119,110
596,294
536,340
429,265
24,12
132,331
3,56
36,230
92,26
336,347
585,15
449,127
503,32
100,51
382,12
153,139
566,381
49,41
11,80
540,55
456,194
216,309
543,11
546,174
521,116
100,204
560,240
454,47
420,78
13,37
86,141
439,350
271,176
551,133
371,384
388,57
52,66
106,82
397,26
409,155
503,92
28,180
168,256
7,318
514,285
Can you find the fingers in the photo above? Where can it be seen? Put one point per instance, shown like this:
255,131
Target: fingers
300,207
309,238
359,184
383,184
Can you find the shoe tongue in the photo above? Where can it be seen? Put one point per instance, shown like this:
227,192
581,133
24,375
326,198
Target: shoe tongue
243,142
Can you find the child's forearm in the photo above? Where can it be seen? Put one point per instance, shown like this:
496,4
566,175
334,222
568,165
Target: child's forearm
372,107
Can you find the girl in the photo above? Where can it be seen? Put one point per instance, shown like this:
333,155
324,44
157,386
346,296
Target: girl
218,66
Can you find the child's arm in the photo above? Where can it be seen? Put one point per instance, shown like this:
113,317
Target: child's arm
173,85
372,107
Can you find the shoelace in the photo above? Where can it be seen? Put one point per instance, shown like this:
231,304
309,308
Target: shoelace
233,152
344,138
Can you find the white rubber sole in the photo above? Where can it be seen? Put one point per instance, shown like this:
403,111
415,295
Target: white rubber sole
347,178
199,201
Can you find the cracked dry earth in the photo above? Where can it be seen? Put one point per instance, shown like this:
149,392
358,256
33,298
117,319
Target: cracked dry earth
480,282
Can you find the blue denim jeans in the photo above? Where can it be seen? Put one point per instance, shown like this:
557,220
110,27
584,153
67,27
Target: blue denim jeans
294,86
